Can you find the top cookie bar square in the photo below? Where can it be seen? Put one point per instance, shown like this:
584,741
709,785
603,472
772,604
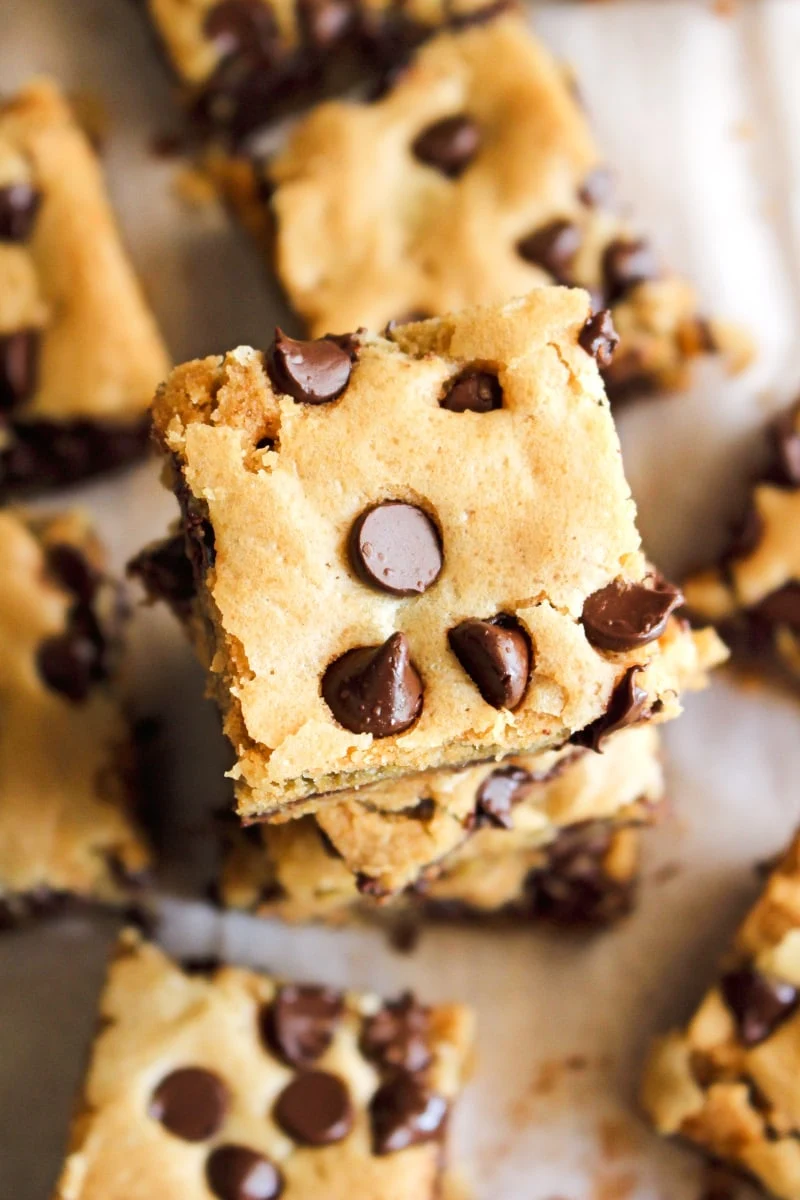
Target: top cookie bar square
412,552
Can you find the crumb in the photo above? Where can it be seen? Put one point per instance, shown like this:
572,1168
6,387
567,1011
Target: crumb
195,188
92,116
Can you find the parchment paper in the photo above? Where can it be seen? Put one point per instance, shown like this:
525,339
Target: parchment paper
700,114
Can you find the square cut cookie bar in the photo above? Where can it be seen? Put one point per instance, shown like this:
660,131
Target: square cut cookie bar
80,355
534,837
240,61
396,568
477,187
728,1082
229,1084
753,593
66,778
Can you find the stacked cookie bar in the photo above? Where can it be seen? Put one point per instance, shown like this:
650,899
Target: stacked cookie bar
419,647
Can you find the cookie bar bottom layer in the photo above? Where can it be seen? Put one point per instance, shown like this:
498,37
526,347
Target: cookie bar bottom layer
586,876
728,1081
229,1084
39,455
67,788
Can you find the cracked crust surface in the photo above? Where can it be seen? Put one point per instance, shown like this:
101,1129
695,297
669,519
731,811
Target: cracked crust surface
364,238
65,764
157,1018
282,602
728,1081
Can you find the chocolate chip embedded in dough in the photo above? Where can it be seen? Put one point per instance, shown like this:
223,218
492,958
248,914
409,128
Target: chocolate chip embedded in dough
449,145
238,1173
626,264
405,1112
396,548
314,1109
301,1021
498,794
244,27
473,391
759,1005
496,654
19,362
627,706
375,689
19,207
191,1103
553,247
624,615
599,338
396,1037
311,372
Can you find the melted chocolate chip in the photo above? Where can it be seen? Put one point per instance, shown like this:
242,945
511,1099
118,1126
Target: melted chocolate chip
397,1036
449,145
46,454
574,888
759,1005
473,391
310,372
552,248
496,654
314,1109
166,572
781,607
785,437
191,1103
625,265
404,1112
73,571
70,663
622,615
237,1173
19,206
597,188
300,1023
240,27
395,547
19,361
626,707
375,689
599,338
498,794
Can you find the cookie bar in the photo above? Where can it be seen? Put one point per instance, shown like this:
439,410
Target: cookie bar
477,187
439,592
80,355
66,785
240,61
535,835
728,1082
753,593
230,1084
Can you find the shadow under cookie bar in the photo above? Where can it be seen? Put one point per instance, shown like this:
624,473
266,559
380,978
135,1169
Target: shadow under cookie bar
68,832
753,593
243,63
727,1081
228,1083
476,188
80,355
370,608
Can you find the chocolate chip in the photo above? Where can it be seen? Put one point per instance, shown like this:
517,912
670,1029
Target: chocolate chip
395,547
325,22
310,372
73,571
781,607
625,265
69,663
314,1109
599,338
496,654
375,689
368,885
397,1036
597,188
574,888
759,1005
240,27
404,1112
785,437
626,707
191,1103
623,615
300,1022
473,391
497,795
449,145
19,206
553,248
166,572
19,361
236,1173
